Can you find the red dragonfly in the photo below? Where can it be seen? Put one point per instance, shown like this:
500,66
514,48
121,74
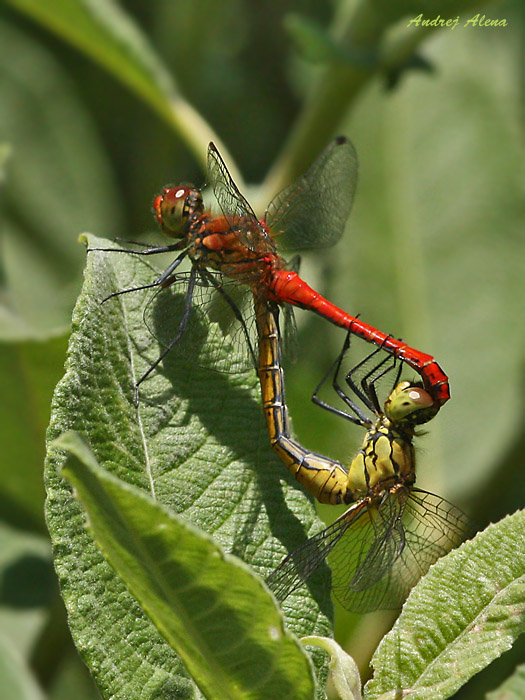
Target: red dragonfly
310,213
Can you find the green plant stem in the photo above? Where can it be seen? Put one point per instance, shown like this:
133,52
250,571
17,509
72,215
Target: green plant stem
336,87
113,40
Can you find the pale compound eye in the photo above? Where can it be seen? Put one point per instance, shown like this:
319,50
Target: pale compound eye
174,206
411,404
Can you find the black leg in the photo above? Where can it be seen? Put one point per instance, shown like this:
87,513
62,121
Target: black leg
359,418
155,250
361,391
164,280
180,332
236,311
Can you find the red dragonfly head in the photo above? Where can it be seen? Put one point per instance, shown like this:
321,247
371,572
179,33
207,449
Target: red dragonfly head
176,208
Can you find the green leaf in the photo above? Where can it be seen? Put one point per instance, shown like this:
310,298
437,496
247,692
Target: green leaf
56,183
102,30
16,680
465,613
29,372
208,605
512,689
197,444
344,670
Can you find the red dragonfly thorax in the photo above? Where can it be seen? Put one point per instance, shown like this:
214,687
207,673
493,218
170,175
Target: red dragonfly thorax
230,245
222,250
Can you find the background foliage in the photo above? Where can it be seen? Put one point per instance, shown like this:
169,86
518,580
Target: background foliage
433,251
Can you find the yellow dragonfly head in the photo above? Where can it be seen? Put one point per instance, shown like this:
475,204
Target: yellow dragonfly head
410,404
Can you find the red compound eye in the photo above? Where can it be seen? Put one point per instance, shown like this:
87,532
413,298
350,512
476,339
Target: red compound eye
171,210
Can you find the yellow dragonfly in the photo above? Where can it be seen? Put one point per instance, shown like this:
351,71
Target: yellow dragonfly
391,532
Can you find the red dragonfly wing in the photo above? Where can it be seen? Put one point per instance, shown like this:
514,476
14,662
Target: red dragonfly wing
216,336
312,212
234,206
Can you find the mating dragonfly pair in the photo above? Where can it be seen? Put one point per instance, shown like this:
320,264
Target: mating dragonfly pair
391,532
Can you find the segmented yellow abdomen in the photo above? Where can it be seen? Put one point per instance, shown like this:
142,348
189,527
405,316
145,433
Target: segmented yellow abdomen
326,479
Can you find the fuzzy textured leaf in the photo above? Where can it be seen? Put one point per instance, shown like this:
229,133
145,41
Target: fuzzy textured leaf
465,613
208,605
197,444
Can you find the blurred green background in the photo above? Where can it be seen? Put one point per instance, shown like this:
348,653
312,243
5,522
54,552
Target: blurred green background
91,127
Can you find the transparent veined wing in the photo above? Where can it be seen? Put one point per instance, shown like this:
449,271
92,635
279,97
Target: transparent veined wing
363,561
239,214
313,211
377,552
432,527
295,570
219,331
